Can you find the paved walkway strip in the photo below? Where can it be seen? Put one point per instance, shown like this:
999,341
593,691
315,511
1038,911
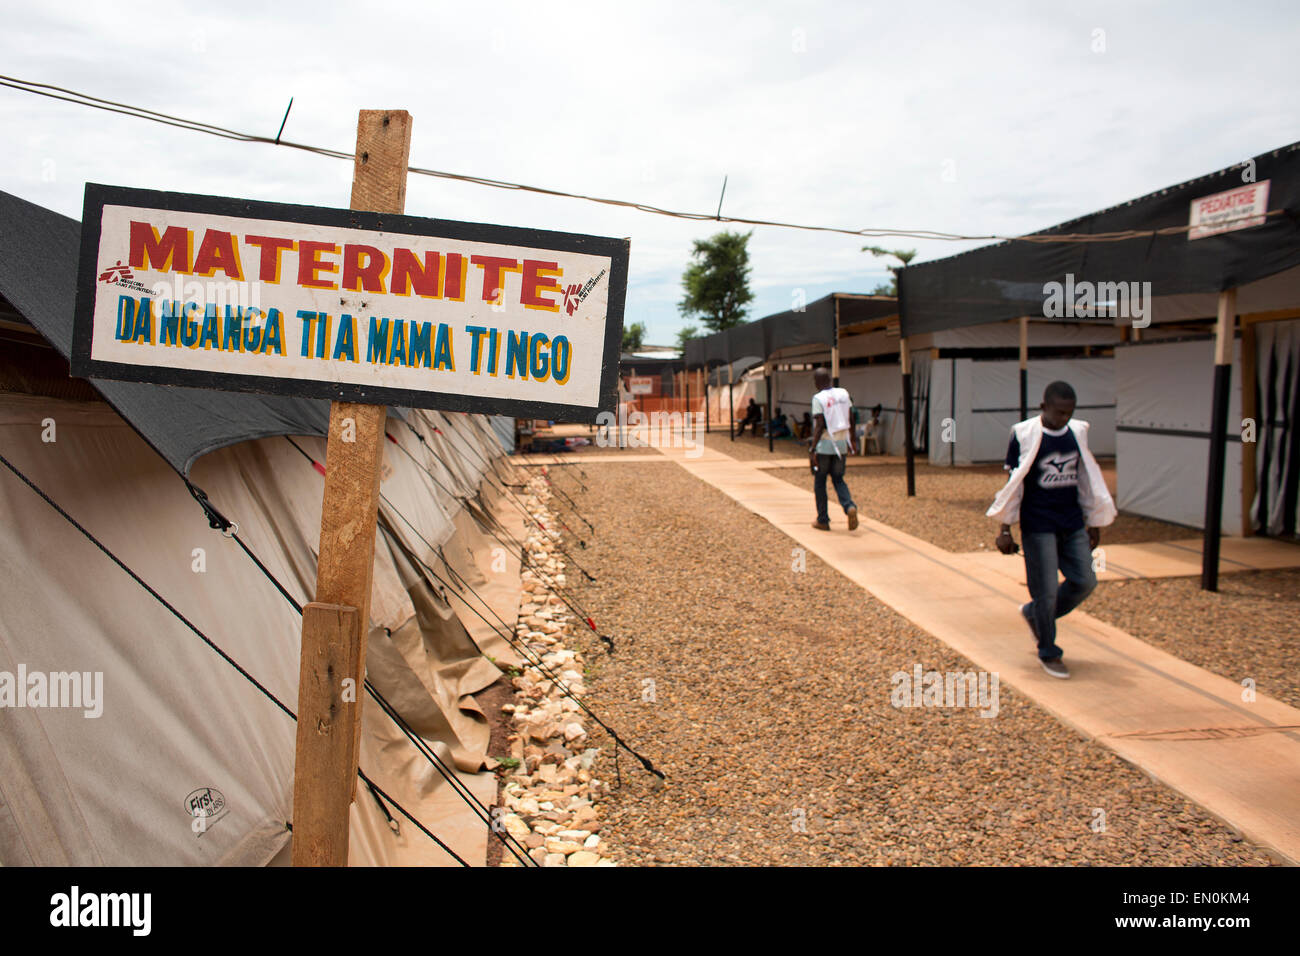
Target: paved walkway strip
1164,559
1185,726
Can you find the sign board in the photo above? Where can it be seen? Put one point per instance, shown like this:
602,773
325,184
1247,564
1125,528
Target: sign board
641,384
1228,211
229,294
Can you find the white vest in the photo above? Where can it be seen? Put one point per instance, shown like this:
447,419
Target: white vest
836,409
1094,498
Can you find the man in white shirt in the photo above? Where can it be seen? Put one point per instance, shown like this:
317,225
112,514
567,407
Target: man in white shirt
832,441
1057,492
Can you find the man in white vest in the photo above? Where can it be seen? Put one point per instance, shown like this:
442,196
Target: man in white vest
1057,492
832,441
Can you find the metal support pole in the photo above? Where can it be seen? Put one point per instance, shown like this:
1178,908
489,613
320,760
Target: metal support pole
905,357
706,401
767,377
731,401
1024,367
1223,332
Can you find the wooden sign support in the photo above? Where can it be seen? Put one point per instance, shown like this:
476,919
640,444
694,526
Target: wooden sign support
334,626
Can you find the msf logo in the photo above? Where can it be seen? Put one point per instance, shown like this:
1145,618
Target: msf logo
116,273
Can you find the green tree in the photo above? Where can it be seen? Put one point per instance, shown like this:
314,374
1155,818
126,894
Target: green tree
633,337
685,334
716,282
902,255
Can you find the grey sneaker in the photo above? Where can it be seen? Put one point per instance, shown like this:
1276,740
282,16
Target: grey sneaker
1056,667
1026,613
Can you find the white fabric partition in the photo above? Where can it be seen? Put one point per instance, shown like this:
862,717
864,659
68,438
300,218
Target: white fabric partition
1163,397
975,403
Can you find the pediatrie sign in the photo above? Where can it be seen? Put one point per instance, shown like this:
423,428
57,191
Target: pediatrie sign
1228,211
229,294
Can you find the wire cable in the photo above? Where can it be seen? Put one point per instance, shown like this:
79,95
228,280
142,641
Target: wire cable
196,126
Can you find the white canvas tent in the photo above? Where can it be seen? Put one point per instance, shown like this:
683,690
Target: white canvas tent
177,717
183,714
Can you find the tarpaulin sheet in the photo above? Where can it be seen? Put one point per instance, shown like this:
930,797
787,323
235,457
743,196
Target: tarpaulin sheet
811,325
1004,281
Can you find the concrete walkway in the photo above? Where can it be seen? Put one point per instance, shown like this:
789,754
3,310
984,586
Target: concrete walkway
854,461
1184,726
1165,559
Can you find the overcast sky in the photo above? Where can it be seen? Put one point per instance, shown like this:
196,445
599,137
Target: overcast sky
936,116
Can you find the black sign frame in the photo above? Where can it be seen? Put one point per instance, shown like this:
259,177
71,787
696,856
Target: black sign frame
97,196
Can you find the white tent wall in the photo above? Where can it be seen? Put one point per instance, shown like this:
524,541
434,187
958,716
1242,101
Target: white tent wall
985,403
1163,421
176,716
867,385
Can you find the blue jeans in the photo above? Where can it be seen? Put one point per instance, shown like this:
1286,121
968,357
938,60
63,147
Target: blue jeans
1045,552
830,466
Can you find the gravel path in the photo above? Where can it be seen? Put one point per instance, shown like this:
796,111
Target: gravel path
771,712
1250,627
948,510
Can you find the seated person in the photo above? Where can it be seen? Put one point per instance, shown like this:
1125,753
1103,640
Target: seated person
871,431
753,417
779,426
803,429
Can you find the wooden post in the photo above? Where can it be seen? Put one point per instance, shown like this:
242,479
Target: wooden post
335,625
1024,367
905,359
1223,331
835,346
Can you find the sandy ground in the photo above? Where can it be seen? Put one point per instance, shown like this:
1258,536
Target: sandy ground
764,693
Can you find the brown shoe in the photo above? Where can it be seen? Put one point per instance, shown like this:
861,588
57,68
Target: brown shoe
821,527
853,516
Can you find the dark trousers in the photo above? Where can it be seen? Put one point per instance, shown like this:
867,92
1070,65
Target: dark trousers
830,466
1045,553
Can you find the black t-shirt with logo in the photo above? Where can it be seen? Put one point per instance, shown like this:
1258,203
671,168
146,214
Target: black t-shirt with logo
1051,488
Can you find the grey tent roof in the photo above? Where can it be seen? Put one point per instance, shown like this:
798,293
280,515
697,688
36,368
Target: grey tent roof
814,324
38,276
1004,281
